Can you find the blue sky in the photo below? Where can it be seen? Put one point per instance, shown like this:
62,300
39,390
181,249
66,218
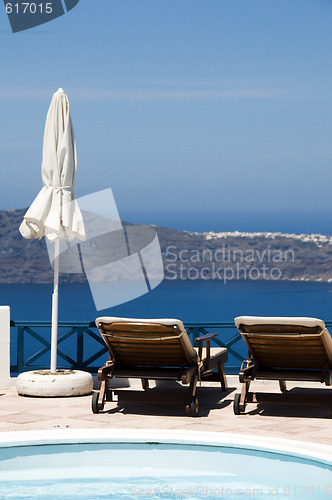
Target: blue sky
200,115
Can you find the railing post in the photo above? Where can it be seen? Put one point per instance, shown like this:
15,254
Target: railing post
80,346
20,348
195,335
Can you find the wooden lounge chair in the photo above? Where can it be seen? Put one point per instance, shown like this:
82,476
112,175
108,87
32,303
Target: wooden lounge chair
294,349
155,349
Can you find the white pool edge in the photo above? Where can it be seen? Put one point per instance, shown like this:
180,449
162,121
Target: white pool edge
299,449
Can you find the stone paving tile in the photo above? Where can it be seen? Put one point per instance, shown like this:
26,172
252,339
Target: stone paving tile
68,411
23,418
323,438
63,423
18,403
216,414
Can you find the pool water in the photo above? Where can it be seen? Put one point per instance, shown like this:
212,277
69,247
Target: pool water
92,471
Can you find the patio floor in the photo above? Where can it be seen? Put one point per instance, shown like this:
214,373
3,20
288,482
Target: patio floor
312,424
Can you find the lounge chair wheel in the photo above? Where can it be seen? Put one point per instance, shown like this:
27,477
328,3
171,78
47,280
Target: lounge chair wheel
192,408
94,403
236,404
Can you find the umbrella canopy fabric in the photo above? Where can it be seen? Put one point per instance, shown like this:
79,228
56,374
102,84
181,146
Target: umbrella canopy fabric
55,212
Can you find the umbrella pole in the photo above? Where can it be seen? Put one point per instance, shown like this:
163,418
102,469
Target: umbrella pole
55,304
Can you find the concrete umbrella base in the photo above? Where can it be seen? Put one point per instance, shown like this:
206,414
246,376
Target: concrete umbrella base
63,383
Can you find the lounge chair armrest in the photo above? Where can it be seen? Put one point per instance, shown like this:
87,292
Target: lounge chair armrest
245,371
207,336
104,371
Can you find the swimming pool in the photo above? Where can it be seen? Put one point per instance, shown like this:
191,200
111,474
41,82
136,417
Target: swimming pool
122,464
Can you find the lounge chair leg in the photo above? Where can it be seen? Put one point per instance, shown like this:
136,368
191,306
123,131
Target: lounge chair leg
192,405
102,394
240,400
222,375
98,398
282,385
145,383
192,387
243,397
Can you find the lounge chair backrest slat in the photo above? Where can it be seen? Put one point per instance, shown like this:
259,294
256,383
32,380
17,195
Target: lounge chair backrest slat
307,345
285,351
141,343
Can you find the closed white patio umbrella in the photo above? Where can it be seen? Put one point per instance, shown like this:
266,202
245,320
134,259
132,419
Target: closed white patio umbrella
55,213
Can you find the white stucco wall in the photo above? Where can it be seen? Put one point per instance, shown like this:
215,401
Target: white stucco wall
5,347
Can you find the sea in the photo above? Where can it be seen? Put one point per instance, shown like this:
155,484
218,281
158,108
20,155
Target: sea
189,300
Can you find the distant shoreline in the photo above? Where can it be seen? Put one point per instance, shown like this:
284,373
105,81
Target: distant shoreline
188,255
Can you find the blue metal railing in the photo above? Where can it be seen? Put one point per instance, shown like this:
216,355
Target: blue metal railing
81,347
30,346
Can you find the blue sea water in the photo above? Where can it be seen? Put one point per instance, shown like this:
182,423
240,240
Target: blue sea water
189,300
